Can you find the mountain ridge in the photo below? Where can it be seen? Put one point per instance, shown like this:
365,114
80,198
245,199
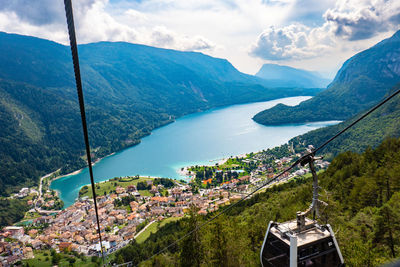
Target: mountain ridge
361,82
280,75
129,90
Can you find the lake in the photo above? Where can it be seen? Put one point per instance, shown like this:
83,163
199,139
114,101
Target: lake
199,138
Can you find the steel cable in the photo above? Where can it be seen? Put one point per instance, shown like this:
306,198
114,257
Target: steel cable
75,59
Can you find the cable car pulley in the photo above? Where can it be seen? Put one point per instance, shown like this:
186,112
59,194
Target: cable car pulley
302,242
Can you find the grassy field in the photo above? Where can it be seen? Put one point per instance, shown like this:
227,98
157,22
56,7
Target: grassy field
31,215
110,185
43,259
153,228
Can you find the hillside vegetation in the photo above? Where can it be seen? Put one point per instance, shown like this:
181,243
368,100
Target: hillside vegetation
129,90
370,132
361,82
363,193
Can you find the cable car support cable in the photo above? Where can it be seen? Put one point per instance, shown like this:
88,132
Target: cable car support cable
75,59
308,158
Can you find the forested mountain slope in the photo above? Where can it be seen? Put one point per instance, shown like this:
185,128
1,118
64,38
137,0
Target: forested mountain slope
129,90
370,132
361,82
363,196
285,76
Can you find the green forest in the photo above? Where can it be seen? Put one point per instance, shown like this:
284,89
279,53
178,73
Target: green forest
363,193
371,131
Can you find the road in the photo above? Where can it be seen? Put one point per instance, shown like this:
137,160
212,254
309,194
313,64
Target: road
39,210
141,231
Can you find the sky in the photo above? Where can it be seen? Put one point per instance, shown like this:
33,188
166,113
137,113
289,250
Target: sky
317,35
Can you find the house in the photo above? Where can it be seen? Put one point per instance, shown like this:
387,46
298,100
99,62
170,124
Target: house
79,239
120,218
176,193
12,259
160,200
134,205
208,181
242,188
225,194
131,188
32,232
28,253
202,212
113,241
24,191
244,178
37,244
15,231
181,203
3,246
157,211
153,189
65,246
286,159
25,239
119,190
235,197
96,249
300,172
131,217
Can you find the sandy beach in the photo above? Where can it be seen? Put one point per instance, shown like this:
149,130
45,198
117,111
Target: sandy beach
77,171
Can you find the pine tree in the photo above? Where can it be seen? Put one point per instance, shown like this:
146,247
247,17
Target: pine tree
191,254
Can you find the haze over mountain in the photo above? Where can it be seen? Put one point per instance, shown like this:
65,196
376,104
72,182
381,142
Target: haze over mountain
361,82
285,76
129,90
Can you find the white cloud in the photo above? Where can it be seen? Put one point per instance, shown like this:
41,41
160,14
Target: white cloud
294,32
295,41
349,20
362,19
162,37
93,23
35,12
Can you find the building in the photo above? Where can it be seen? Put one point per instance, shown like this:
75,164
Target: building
119,190
65,246
28,253
15,231
134,205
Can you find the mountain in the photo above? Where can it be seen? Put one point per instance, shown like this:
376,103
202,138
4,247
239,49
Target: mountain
370,132
285,76
129,90
361,82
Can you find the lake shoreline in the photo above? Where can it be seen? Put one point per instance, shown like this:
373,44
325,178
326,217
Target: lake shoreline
77,171
168,123
185,171
216,134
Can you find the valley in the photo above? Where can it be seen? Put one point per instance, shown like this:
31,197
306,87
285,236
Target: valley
178,144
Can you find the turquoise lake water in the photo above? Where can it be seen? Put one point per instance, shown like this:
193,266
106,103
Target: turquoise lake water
194,139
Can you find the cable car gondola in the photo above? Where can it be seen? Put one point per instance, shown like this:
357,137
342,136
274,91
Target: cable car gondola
302,241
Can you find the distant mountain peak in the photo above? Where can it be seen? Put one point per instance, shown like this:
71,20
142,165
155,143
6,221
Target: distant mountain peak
286,76
359,84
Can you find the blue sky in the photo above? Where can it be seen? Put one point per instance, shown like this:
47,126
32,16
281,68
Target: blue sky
316,35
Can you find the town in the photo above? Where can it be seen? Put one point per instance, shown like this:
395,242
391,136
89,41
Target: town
128,205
